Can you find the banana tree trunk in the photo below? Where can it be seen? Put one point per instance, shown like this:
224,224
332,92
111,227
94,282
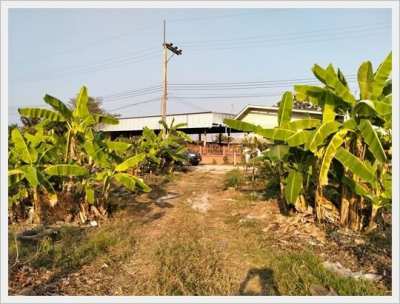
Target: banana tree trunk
36,206
282,200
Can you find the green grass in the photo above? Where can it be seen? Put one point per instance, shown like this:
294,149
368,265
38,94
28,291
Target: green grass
73,247
234,178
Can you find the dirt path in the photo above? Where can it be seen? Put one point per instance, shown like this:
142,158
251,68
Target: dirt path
191,236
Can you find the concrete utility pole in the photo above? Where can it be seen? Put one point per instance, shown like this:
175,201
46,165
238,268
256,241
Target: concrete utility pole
175,51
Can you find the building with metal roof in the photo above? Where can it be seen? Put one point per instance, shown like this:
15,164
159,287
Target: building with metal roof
196,123
267,117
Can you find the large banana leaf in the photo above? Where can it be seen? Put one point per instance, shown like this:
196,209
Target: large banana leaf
357,187
371,138
338,87
285,109
45,183
30,174
89,194
81,109
322,133
65,170
328,111
22,151
301,137
365,79
277,152
381,76
131,181
240,125
373,108
355,165
141,184
126,180
59,106
131,162
106,119
275,133
336,141
300,124
310,93
319,72
40,113
342,78
294,184
117,146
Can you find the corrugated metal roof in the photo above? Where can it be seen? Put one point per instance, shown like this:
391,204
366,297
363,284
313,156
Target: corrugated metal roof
192,120
248,108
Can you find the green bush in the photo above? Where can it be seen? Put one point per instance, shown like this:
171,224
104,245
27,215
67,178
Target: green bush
234,178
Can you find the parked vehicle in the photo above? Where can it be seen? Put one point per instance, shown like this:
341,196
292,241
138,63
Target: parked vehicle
194,158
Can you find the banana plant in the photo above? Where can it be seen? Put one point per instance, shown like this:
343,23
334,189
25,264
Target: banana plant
107,171
29,168
353,142
76,120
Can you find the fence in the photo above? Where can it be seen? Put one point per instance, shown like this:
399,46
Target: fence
218,154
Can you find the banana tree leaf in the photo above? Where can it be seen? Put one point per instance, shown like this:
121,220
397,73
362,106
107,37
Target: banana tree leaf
106,119
338,87
301,137
357,187
82,100
131,162
45,183
40,113
30,174
240,125
277,152
301,124
89,194
117,146
381,76
328,112
350,124
15,172
355,165
387,89
371,138
66,170
373,108
309,93
126,180
322,133
141,184
22,150
59,106
342,78
294,184
336,141
285,109
275,133
319,72
365,78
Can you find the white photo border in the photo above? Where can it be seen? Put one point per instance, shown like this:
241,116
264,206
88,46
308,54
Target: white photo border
7,5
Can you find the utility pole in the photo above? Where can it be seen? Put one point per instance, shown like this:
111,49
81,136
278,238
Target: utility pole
176,51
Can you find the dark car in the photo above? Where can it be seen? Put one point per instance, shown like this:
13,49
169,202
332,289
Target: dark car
194,158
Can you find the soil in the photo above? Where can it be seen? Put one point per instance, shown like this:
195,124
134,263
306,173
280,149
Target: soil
196,204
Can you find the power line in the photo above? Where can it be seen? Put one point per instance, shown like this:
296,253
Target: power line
135,104
282,43
363,27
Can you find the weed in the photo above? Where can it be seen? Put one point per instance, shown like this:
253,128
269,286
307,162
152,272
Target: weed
233,178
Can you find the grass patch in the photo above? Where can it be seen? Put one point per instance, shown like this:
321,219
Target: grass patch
233,178
74,247
187,263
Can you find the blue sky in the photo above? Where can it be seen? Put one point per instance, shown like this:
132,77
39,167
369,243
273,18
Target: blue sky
256,52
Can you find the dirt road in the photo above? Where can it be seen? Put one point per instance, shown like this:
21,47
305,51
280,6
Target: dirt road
191,236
